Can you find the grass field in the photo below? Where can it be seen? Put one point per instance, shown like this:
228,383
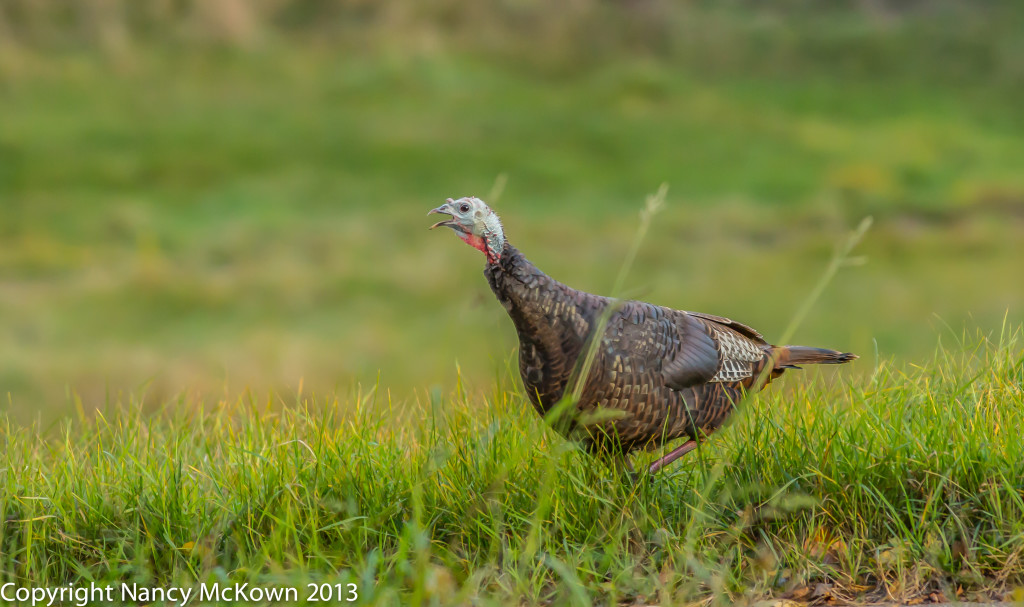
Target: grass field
162,233
905,483
231,351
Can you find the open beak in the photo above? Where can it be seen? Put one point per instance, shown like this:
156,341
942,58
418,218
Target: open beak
444,209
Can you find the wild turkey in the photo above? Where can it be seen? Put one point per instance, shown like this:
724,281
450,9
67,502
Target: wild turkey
663,373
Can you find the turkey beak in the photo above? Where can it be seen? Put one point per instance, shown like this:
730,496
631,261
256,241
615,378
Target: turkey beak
444,210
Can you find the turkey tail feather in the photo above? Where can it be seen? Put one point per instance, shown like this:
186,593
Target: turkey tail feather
804,355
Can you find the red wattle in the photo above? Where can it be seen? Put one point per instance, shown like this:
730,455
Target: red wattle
477,242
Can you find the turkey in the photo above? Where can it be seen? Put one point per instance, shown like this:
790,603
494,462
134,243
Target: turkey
657,375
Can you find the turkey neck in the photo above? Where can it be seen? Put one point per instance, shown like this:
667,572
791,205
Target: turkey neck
552,320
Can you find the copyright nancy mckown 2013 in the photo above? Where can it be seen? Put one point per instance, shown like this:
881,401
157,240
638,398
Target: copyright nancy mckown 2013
93,594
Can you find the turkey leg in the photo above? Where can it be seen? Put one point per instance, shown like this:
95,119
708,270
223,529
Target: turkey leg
672,456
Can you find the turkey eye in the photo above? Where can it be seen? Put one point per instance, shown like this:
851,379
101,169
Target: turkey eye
464,208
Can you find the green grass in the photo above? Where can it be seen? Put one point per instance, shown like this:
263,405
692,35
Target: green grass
222,221
230,349
903,482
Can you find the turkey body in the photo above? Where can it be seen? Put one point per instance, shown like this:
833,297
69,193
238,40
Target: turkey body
662,374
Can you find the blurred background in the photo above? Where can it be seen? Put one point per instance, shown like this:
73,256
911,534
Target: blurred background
209,196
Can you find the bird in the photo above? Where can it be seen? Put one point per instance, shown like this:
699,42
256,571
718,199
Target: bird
657,375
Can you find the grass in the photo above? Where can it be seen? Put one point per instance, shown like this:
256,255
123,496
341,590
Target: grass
824,491
202,203
901,484
154,235
183,212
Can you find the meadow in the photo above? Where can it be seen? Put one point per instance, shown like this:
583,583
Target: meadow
902,485
231,350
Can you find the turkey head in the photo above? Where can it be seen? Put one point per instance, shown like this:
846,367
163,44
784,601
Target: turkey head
475,223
